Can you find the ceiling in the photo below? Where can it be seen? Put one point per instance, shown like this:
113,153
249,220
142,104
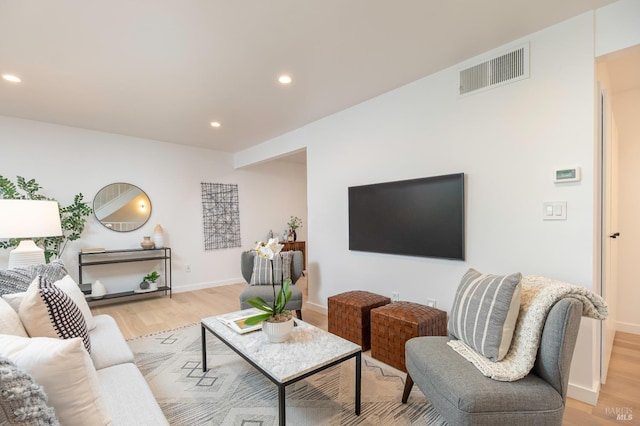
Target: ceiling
164,69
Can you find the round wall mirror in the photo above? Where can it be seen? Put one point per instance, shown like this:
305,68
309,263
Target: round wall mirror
122,207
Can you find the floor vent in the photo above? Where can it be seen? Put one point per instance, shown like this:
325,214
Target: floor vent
499,70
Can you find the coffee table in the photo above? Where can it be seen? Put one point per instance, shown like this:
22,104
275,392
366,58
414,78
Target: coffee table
308,351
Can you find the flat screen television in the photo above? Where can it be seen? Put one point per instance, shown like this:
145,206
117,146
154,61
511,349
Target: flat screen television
417,217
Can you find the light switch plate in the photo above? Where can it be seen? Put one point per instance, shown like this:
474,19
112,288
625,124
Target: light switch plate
554,210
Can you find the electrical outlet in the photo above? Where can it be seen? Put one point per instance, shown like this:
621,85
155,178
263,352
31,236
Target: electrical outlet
187,268
395,296
431,302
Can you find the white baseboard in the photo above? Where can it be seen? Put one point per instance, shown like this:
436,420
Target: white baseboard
316,308
200,286
590,396
626,327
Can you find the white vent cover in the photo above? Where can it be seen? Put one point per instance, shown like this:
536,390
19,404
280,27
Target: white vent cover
506,68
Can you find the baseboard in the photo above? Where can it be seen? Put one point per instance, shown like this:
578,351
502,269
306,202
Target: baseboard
590,396
626,327
200,286
316,308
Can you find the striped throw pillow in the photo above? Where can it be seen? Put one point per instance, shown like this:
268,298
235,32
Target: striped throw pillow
484,313
262,269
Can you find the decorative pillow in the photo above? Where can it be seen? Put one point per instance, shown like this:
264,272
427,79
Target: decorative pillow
65,371
9,321
262,269
69,286
484,312
22,401
18,279
47,311
14,299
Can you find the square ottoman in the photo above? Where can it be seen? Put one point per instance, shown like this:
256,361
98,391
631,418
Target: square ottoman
392,325
350,315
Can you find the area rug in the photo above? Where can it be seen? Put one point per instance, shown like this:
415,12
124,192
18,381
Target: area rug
234,393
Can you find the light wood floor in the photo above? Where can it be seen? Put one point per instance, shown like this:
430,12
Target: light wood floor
140,317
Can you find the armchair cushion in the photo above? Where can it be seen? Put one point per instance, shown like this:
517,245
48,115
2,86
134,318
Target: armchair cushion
262,269
484,313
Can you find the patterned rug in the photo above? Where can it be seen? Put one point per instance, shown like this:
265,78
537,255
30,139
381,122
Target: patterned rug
234,393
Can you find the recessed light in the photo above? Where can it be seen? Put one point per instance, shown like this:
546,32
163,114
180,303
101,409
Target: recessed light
285,79
11,78
215,124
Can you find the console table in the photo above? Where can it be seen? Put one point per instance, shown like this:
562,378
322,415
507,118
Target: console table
297,246
108,257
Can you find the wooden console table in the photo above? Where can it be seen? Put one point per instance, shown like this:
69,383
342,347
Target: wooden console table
297,246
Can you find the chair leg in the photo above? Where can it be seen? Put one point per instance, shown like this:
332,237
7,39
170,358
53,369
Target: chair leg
299,314
408,384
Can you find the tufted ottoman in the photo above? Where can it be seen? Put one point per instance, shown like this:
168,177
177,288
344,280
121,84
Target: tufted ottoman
350,315
392,325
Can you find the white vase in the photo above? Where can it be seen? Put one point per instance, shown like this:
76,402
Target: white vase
98,290
277,332
158,236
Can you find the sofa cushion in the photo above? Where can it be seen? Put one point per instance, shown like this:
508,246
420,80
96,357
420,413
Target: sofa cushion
22,400
47,311
10,321
484,312
128,397
69,286
262,269
16,280
108,346
65,371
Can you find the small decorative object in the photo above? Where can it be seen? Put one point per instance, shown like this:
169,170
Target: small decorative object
275,316
158,236
270,234
98,290
294,223
146,243
290,235
149,281
144,285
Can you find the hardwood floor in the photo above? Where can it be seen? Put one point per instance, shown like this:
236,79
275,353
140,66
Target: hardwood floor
620,395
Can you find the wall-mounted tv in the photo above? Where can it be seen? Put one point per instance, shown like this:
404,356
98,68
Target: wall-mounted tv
417,217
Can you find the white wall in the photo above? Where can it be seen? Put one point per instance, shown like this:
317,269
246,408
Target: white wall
626,106
66,160
507,141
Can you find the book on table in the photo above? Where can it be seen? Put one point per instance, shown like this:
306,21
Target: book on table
236,320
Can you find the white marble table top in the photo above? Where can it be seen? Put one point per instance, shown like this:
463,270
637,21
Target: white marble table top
308,348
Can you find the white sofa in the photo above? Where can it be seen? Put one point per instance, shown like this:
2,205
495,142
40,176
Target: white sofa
103,388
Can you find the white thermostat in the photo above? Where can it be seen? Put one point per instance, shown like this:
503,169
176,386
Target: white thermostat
568,174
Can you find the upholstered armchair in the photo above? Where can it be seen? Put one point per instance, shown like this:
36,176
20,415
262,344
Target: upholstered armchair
463,396
266,291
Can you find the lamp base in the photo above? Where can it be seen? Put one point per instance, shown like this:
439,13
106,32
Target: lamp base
27,253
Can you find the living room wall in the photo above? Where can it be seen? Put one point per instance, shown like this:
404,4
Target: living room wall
67,160
507,141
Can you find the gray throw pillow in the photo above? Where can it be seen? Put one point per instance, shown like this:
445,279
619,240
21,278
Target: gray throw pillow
484,312
17,280
262,269
22,401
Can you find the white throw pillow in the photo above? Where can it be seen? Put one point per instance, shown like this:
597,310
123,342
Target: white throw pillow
65,371
9,321
47,311
14,300
69,286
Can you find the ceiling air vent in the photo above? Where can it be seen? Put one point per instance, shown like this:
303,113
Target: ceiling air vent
499,70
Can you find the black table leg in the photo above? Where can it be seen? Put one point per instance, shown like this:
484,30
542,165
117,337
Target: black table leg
358,381
281,407
204,350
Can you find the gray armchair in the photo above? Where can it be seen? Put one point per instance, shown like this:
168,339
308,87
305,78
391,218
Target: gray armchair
266,291
463,396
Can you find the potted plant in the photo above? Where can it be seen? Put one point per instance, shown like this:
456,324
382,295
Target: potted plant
277,322
149,281
294,223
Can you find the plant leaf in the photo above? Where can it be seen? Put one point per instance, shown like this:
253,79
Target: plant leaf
256,319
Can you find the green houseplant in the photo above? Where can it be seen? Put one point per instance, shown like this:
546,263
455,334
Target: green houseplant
274,312
72,217
149,280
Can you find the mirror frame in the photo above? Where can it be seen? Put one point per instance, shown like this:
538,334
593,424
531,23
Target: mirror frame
139,224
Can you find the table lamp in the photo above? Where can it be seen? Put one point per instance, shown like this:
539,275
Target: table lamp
28,219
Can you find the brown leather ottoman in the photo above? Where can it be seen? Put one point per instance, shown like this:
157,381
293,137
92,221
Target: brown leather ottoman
392,325
350,315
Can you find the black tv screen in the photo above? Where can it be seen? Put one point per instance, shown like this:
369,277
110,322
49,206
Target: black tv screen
417,217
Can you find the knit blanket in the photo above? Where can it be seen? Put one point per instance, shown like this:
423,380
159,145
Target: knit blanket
538,295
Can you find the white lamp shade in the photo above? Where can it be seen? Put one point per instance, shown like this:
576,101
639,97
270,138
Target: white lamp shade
29,219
